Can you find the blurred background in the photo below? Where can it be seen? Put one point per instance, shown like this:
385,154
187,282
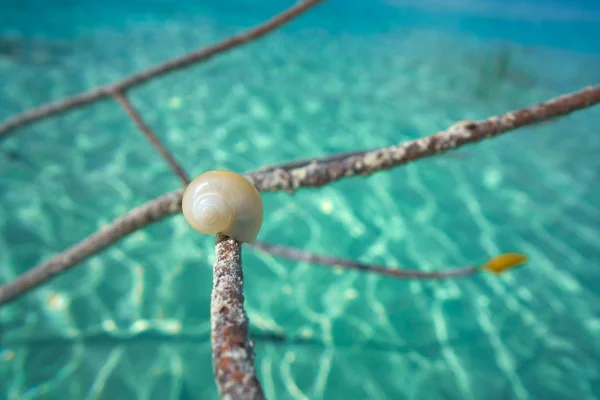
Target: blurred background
133,321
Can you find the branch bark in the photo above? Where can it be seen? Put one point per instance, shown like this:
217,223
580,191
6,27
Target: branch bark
315,174
103,92
233,353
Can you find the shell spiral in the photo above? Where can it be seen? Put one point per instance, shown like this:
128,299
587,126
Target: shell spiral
223,202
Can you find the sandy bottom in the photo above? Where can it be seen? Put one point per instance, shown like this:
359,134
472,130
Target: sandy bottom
133,322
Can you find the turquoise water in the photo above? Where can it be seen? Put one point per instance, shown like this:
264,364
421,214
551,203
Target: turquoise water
133,321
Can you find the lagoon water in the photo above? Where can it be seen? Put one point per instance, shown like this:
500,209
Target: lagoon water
133,321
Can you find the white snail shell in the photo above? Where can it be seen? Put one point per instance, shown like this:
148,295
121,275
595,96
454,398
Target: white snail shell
223,202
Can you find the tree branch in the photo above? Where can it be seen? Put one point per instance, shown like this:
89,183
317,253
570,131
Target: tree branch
103,92
233,353
135,219
312,175
317,174
299,255
137,118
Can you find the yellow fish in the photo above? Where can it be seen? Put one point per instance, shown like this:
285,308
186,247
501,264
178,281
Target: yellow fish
504,262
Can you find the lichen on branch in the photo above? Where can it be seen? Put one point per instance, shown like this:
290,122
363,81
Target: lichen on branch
233,353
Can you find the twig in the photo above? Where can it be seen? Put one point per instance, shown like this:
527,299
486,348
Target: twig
314,174
300,255
139,78
137,118
233,353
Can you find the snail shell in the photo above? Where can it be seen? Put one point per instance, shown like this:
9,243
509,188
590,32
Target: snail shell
223,202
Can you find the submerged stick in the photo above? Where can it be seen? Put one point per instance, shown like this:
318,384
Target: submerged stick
233,353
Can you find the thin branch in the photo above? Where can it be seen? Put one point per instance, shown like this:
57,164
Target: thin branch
137,118
103,92
300,255
315,174
233,353
303,162
135,219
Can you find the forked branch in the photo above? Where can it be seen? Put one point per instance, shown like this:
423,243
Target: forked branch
204,54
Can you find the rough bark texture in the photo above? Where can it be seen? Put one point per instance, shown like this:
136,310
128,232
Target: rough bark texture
233,353
317,173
